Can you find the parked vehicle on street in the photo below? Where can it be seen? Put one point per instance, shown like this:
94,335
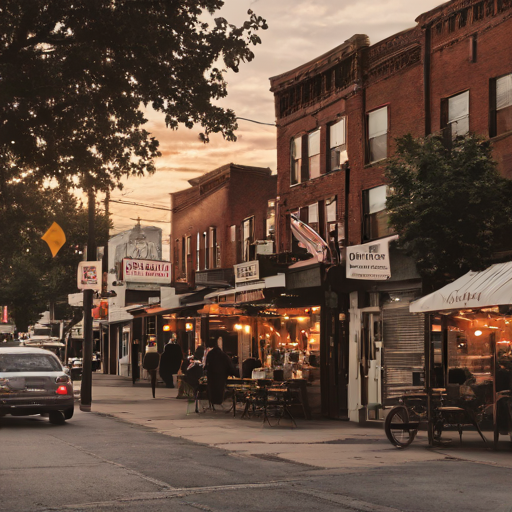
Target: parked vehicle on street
33,381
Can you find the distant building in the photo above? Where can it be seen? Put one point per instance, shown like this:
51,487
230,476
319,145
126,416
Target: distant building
220,221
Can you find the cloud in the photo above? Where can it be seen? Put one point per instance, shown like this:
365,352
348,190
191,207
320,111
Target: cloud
299,31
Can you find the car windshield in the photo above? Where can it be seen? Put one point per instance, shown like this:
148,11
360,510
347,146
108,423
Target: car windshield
29,363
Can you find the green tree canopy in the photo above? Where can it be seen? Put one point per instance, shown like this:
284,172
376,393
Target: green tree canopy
75,76
30,277
450,206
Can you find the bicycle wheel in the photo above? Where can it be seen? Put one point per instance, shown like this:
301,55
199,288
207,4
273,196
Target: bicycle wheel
398,429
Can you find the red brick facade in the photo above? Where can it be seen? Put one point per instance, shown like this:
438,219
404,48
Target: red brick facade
217,201
462,45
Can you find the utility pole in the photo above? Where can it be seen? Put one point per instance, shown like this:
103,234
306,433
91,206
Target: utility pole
86,388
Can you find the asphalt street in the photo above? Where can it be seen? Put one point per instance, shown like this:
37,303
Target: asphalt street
137,454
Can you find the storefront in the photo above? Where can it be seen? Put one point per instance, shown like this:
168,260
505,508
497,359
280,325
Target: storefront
385,341
269,331
469,350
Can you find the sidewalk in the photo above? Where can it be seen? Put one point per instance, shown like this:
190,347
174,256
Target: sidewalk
321,443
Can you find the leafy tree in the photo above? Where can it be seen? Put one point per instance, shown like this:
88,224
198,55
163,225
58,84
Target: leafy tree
75,76
450,205
30,277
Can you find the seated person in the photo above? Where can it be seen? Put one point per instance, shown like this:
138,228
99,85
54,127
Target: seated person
189,381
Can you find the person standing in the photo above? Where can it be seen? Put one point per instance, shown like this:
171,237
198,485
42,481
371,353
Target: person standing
135,361
170,363
218,367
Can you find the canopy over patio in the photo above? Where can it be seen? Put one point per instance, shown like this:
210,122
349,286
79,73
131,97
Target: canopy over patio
490,287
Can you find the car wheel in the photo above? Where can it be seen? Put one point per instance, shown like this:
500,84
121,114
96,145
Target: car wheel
57,418
68,413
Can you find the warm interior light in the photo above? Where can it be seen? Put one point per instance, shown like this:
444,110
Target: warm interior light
478,333
247,329
189,326
166,327
238,327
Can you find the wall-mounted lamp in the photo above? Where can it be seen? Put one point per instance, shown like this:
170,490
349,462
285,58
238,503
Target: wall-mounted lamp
478,333
247,329
166,327
238,327
189,326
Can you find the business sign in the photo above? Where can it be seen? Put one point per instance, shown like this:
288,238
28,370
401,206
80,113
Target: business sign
369,261
146,271
89,275
249,271
249,296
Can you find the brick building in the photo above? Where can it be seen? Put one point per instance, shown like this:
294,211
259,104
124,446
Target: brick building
337,117
218,220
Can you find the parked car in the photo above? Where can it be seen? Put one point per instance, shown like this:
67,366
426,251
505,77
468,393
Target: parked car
76,368
33,381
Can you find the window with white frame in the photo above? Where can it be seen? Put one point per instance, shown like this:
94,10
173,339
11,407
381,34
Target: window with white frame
458,114
198,252
296,160
248,238
504,104
337,145
188,253
314,154
375,214
313,216
205,246
270,224
213,249
378,134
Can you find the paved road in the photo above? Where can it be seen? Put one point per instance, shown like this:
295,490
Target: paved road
101,463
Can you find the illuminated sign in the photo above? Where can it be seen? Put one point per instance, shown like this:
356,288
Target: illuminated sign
146,271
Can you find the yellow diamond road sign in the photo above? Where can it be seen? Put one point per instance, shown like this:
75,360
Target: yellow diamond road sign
55,238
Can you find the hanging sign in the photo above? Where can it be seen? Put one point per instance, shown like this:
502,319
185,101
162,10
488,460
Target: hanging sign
370,261
89,275
146,271
249,271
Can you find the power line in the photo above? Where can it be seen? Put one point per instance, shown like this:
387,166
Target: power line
257,122
132,203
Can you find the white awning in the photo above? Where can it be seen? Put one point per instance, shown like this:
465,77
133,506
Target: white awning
490,287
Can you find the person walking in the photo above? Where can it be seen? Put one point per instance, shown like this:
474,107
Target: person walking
150,364
218,367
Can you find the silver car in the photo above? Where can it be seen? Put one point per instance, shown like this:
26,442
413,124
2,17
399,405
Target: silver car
32,381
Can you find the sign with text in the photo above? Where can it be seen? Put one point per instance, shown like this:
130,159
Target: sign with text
369,261
146,271
89,275
249,271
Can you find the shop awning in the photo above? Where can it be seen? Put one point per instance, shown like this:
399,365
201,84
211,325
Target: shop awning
490,287
277,281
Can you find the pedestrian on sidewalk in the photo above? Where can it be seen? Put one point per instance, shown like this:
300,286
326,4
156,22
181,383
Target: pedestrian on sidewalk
135,361
150,363
170,363
218,367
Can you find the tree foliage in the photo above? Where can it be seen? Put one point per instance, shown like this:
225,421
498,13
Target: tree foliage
450,206
75,76
30,277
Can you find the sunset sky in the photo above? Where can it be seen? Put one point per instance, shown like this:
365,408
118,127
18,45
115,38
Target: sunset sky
299,31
